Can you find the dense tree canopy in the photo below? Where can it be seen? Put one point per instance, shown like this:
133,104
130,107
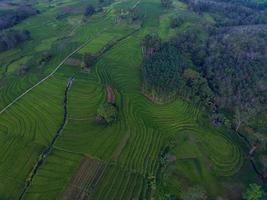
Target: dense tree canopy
10,39
236,70
196,87
254,192
89,60
195,193
166,3
228,13
12,17
192,44
89,11
161,73
177,21
150,44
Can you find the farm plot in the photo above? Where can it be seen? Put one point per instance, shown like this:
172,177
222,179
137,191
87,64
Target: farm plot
84,180
26,128
53,177
119,184
83,134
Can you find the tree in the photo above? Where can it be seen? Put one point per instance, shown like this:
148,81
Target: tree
192,44
23,70
235,69
89,11
12,17
150,44
45,57
166,3
195,193
254,192
177,21
108,112
11,38
89,60
161,73
196,86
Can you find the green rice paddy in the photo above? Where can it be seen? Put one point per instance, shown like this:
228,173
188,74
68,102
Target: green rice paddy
130,148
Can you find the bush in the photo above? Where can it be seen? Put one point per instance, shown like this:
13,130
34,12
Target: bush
254,192
89,11
12,38
89,60
177,21
195,193
107,112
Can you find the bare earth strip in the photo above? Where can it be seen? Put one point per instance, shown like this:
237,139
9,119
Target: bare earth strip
83,182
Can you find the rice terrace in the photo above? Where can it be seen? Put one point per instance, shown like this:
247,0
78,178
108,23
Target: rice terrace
133,99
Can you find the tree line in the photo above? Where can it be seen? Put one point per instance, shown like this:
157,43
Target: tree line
11,38
10,18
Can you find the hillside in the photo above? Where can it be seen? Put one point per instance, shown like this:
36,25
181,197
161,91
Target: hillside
133,99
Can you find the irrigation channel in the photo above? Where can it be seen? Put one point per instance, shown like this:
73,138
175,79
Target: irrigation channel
47,151
49,148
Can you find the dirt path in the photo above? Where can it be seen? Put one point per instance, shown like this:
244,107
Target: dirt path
45,78
110,95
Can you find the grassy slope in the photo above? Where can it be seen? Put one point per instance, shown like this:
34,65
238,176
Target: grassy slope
131,146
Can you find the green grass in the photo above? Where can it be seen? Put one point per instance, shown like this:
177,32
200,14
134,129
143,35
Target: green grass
26,128
15,66
48,183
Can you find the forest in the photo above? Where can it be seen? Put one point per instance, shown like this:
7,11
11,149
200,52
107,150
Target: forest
12,38
228,60
12,17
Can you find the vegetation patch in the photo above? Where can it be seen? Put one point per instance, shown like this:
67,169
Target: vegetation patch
83,183
107,112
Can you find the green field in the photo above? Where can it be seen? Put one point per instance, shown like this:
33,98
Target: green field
130,148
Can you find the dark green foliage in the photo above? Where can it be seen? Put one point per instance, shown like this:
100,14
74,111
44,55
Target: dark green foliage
13,17
195,193
177,21
231,61
45,57
105,2
150,44
171,197
130,16
23,70
89,11
254,192
10,39
166,3
196,87
192,44
89,60
108,112
228,13
161,73
236,69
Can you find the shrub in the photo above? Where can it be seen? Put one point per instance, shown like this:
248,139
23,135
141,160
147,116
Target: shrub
107,112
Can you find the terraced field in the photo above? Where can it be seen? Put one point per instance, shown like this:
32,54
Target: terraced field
92,161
